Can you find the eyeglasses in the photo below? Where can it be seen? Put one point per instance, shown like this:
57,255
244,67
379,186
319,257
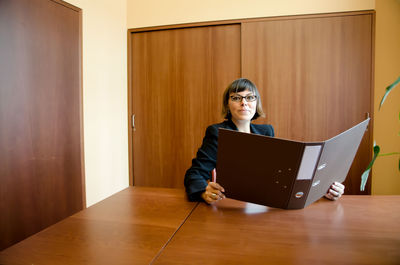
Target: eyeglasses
239,98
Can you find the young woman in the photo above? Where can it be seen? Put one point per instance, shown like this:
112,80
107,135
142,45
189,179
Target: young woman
241,104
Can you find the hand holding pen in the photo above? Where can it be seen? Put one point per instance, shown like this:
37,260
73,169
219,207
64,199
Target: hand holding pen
214,191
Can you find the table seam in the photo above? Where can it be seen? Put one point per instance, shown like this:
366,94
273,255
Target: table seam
173,234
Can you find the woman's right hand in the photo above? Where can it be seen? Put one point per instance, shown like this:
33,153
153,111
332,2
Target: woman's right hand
213,193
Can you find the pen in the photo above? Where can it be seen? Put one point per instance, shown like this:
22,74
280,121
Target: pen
214,175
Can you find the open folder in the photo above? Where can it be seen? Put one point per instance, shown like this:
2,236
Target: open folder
283,173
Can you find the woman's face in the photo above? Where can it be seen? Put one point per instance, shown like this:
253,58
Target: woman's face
242,109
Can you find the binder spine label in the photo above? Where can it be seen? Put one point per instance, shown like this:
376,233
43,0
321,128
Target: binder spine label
305,175
308,162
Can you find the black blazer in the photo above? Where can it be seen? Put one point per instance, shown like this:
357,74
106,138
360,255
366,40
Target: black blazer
206,159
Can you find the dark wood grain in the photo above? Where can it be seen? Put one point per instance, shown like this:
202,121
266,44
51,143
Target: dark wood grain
40,116
130,227
178,77
314,76
353,230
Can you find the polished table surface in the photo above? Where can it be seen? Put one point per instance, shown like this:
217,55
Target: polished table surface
130,227
158,226
353,230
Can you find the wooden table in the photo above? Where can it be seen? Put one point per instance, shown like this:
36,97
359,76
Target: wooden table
353,230
158,226
130,227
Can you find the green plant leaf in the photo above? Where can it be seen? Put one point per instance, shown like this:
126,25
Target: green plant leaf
390,154
388,89
364,176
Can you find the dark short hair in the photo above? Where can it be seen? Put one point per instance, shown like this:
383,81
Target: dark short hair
239,85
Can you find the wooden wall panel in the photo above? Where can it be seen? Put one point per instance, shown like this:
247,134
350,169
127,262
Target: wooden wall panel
178,77
40,116
314,74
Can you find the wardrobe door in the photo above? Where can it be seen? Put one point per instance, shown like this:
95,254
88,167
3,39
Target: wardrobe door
41,167
178,77
315,77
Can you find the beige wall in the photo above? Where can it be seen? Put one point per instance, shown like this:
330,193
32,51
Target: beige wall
164,12
104,96
386,174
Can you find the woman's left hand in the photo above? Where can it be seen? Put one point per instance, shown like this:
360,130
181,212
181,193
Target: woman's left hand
335,192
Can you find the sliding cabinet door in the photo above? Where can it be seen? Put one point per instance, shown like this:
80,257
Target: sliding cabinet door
315,77
178,77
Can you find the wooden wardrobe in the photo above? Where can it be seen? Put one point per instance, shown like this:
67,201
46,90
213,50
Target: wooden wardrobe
41,133
314,73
